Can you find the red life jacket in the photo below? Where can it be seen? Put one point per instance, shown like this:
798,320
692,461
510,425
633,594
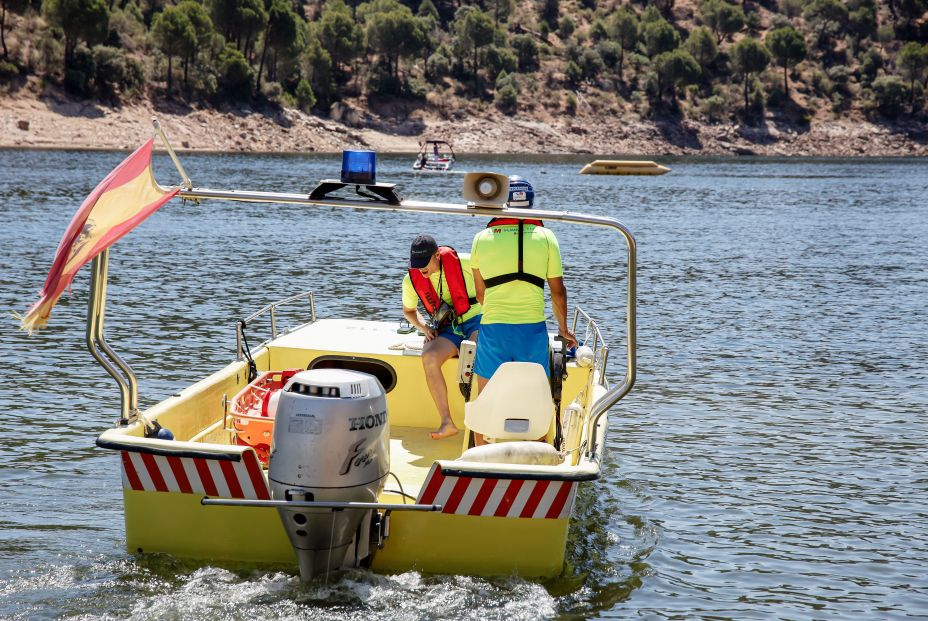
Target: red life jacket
519,274
454,275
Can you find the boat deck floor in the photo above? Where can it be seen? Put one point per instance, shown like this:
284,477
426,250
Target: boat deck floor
412,453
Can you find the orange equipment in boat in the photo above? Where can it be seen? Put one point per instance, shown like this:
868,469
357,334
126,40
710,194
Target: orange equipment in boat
252,412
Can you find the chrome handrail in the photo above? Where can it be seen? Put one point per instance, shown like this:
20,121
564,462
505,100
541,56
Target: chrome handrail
272,309
599,343
118,368
612,395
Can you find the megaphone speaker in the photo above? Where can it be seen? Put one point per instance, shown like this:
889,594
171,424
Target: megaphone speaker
486,189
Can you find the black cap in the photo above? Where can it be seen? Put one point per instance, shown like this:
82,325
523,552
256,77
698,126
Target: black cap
421,251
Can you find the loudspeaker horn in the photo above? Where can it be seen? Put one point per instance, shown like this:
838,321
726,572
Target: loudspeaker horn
486,189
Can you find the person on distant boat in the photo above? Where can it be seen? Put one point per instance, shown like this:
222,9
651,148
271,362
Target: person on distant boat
442,280
512,260
435,149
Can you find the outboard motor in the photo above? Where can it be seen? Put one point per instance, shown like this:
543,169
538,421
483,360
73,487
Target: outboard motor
330,444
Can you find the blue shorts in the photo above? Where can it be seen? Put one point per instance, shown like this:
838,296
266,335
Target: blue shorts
508,342
458,333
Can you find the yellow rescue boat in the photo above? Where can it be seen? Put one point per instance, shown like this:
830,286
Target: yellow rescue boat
624,167
312,450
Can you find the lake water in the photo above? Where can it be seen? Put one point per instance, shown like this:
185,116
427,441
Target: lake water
769,463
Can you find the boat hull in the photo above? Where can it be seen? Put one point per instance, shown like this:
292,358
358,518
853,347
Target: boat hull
492,518
487,526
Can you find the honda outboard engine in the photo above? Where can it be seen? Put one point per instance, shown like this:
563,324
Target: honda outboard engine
330,444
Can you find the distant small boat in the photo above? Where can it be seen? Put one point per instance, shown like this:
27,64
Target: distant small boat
623,167
434,155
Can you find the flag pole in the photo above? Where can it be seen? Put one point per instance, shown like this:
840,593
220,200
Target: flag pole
187,184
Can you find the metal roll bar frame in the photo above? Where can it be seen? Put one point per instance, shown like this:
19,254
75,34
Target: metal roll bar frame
613,395
128,384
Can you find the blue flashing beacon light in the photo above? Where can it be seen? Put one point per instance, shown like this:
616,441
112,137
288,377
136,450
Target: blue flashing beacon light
359,167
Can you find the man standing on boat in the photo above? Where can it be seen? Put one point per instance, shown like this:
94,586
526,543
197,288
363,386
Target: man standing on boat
442,280
512,260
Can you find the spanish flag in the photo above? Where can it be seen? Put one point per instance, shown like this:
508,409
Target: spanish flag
123,200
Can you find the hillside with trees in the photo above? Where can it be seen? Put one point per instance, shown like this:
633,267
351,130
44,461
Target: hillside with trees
726,62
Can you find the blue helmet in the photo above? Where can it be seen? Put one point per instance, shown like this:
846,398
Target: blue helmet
521,192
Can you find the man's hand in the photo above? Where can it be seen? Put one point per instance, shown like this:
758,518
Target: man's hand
571,339
415,318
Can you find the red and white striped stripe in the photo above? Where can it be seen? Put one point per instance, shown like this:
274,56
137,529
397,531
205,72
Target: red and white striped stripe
220,478
514,498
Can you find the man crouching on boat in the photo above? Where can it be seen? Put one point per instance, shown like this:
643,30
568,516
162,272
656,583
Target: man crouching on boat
442,280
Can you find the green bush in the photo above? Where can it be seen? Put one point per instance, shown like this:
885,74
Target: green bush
565,27
499,59
713,108
236,77
507,99
840,76
416,89
757,98
820,83
918,91
116,74
574,73
208,86
272,91
572,52
128,26
839,102
8,71
549,11
78,77
792,8
591,64
47,54
753,22
570,104
305,96
526,51
381,80
598,31
652,86
889,95
776,96
438,66
610,52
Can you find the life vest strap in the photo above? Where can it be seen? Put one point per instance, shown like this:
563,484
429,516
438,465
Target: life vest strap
523,276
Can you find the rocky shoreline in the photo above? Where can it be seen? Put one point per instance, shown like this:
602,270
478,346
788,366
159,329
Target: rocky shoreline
28,121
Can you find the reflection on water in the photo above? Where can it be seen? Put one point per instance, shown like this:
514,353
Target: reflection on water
768,463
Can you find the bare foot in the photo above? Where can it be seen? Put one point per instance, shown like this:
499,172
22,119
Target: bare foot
445,431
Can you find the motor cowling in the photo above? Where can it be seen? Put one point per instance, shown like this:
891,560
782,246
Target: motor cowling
330,444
